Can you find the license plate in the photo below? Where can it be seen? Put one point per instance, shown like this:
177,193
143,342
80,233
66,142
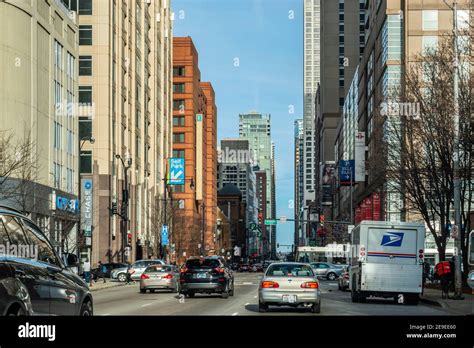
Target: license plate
200,275
289,298
158,277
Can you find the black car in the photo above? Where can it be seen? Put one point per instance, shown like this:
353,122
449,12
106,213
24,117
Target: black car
206,275
110,267
34,280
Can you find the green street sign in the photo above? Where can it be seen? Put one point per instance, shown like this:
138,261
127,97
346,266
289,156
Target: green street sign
270,222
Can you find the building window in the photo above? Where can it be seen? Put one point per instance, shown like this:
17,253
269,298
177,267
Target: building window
178,104
178,88
85,65
178,71
463,19
430,20
85,35
85,165
178,138
430,44
85,127
178,153
177,188
85,95
85,7
178,121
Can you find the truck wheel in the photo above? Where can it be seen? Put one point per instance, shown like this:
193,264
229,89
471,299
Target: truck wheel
362,298
354,296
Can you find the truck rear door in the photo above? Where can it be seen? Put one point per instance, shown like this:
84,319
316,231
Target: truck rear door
392,246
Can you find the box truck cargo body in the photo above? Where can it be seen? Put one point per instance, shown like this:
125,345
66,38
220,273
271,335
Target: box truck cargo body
387,260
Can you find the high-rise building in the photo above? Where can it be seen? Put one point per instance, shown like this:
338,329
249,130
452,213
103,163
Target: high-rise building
261,193
38,101
195,140
299,181
125,67
256,128
273,237
311,79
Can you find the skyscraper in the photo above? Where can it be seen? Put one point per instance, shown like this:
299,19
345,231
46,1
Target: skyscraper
299,180
256,128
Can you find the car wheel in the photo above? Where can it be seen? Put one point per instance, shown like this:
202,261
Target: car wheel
86,309
190,294
122,277
225,293
16,312
231,291
316,308
152,290
262,307
331,276
142,290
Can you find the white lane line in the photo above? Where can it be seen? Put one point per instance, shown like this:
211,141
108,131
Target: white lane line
246,304
105,314
146,304
234,314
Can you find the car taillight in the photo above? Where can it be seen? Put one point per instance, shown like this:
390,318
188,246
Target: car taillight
144,276
219,270
168,276
269,285
183,270
310,285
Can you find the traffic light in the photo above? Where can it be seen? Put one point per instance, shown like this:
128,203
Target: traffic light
260,218
129,238
123,211
322,219
113,209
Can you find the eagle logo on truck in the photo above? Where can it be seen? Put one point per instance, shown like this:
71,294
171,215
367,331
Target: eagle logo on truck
392,239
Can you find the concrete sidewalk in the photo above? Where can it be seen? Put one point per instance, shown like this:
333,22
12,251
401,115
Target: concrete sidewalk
457,307
100,285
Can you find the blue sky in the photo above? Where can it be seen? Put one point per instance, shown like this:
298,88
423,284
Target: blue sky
265,38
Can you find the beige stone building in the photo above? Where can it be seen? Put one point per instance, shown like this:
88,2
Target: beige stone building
125,64
38,89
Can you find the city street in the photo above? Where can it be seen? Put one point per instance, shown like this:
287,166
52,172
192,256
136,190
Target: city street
127,300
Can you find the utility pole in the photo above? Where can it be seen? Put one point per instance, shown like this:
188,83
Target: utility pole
456,179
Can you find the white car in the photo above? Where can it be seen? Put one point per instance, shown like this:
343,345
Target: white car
135,270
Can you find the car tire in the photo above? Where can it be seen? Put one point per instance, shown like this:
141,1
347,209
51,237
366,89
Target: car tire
142,290
262,307
152,290
122,277
225,293
316,308
331,276
231,291
190,294
16,312
86,309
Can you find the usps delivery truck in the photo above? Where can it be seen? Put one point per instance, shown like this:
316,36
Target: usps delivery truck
386,260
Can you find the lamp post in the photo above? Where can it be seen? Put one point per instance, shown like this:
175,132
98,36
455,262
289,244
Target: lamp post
124,208
82,141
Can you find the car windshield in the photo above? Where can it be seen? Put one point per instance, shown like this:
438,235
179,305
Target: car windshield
289,270
158,269
206,263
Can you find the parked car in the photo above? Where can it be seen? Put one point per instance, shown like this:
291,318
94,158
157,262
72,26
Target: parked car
326,270
36,281
244,267
289,284
159,277
110,267
206,275
343,280
136,270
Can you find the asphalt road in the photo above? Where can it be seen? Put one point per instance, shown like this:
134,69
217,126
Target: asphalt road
127,300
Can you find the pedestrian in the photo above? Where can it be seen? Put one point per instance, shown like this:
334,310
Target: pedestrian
101,271
87,272
444,272
129,274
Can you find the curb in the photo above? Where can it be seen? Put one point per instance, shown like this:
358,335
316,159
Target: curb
106,287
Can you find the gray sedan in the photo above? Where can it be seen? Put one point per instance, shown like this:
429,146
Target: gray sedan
327,270
289,284
159,277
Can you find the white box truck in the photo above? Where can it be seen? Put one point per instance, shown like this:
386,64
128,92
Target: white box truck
386,260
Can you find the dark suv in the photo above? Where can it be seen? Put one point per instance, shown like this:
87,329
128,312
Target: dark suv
33,279
206,275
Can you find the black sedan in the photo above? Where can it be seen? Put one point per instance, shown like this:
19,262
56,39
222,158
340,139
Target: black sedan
206,275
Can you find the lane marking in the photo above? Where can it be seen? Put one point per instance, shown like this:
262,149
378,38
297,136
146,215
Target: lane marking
236,313
105,314
247,283
146,304
246,304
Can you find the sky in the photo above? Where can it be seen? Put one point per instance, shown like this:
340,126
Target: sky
252,53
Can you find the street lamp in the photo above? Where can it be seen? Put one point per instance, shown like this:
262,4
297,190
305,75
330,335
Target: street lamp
124,208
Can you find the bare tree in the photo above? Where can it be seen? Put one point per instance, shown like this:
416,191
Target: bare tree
416,132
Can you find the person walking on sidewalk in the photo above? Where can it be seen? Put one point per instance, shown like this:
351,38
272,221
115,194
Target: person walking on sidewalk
87,272
444,272
101,271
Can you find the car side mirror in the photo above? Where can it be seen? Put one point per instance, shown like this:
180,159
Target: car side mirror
71,260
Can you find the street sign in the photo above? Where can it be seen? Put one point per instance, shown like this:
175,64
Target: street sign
164,235
198,117
271,222
346,172
283,219
176,174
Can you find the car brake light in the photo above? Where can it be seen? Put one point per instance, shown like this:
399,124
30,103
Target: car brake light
310,285
269,285
168,276
219,270
144,276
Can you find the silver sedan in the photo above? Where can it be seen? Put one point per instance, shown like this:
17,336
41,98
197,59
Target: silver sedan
159,277
289,284
327,270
